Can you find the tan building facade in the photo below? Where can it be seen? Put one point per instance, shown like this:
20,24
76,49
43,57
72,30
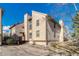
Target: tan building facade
27,20
40,28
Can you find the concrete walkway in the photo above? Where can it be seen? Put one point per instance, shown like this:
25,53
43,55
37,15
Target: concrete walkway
22,50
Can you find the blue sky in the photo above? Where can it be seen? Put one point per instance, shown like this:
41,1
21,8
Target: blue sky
14,12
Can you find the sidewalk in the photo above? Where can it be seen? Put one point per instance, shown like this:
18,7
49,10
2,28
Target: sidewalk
23,50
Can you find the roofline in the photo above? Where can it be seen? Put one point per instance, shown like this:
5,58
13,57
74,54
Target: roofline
29,17
52,19
39,12
15,25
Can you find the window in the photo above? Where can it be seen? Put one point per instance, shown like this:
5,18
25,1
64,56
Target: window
30,35
37,33
30,25
37,22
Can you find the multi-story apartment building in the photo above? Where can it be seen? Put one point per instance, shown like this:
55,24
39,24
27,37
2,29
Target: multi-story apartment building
41,28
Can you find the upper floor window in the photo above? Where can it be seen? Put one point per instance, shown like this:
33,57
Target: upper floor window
30,25
37,22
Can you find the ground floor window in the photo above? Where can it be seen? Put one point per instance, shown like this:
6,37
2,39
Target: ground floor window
30,35
37,33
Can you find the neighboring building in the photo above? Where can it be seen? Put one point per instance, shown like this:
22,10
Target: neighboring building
41,28
17,29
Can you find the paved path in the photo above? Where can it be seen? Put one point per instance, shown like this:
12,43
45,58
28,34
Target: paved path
22,50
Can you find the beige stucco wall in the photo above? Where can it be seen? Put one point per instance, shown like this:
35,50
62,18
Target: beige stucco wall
61,38
41,27
13,31
50,32
53,33
26,18
57,32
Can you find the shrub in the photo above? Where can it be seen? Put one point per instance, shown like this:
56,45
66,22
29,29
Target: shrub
10,41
